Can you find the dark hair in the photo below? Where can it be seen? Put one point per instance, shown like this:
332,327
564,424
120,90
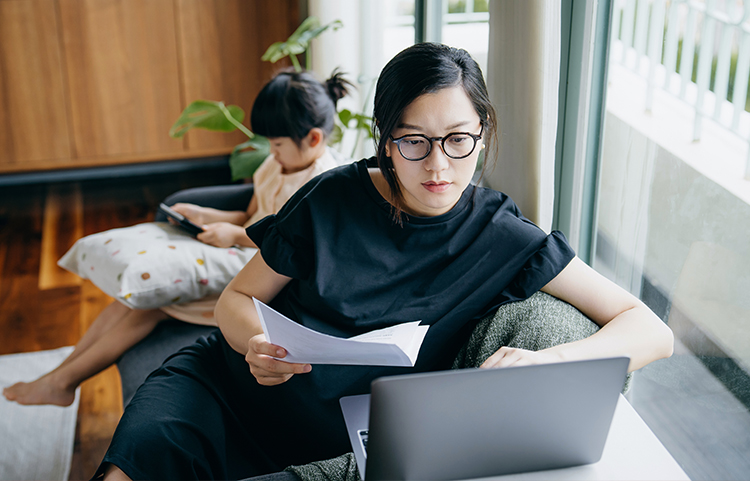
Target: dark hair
420,69
293,103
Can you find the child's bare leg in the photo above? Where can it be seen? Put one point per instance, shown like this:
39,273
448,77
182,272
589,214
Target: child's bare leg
110,316
58,386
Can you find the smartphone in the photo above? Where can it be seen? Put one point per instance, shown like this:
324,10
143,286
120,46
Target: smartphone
182,221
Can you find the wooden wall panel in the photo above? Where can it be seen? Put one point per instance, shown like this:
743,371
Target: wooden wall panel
221,44
100,82
123,76
33,121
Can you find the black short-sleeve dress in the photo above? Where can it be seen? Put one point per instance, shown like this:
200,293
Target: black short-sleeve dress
202,415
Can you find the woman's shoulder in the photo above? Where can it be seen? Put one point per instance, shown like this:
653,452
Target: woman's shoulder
345,174
494,200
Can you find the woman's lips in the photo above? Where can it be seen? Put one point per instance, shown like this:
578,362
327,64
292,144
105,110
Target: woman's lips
436,187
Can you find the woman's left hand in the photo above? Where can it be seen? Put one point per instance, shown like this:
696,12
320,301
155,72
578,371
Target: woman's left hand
510,356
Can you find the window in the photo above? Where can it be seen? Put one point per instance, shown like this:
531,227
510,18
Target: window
458,23
674,217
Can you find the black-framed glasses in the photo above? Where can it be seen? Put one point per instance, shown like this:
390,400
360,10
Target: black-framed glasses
456,145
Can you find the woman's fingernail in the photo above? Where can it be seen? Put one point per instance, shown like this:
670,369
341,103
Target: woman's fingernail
307,368
279,352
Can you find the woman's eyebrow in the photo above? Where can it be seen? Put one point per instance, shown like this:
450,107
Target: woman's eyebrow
450,127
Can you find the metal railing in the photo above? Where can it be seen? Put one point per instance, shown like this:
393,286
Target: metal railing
697,50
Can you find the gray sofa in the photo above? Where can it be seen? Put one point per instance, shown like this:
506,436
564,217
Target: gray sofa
171,335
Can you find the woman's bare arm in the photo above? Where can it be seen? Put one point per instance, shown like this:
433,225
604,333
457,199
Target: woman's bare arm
628,327
238,320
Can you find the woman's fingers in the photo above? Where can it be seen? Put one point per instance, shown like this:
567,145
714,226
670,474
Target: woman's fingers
504,357
509,356
267,370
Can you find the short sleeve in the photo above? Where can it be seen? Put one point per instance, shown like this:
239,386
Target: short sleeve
552,256
285,239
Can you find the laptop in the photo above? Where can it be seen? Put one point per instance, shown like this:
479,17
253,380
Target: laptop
473,423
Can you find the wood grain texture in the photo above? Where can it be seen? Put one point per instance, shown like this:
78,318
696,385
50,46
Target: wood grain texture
122,67
101,396
62,227
99,82
33,118
221,42
32,319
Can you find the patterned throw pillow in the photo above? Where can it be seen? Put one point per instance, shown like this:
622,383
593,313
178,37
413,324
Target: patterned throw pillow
154,264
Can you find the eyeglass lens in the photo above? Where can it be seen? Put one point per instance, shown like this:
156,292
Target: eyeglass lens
455,145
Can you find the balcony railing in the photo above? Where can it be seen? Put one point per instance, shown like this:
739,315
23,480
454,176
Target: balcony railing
697,50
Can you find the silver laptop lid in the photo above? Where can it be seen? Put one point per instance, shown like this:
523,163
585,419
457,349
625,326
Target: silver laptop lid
484,422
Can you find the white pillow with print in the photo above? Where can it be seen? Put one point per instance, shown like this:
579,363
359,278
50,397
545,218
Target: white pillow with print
156,264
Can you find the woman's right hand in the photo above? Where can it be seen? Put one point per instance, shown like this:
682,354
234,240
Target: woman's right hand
267,370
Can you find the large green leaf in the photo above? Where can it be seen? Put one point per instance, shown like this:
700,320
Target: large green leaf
247,157
362,122
209,115
298,42
307,35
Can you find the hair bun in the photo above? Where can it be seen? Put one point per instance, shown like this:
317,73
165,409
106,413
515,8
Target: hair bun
337,86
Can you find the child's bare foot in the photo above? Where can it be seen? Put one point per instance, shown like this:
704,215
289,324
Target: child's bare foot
42,391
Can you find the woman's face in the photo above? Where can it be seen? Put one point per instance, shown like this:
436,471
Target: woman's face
433,185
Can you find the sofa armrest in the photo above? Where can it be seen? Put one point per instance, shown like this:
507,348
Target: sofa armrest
223,197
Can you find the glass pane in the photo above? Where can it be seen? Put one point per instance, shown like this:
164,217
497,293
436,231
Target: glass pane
398,32
674,218
466,25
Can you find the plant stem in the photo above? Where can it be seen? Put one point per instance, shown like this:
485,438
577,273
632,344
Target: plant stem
364,106
295,62
234,122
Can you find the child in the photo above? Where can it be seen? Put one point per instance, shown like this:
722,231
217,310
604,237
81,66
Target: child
296,112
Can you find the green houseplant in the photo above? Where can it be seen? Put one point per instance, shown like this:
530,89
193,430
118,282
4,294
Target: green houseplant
216,116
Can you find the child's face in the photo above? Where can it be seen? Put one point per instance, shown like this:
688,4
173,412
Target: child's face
433,185
292,158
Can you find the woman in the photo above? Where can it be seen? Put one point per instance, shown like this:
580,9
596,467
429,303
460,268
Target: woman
402,237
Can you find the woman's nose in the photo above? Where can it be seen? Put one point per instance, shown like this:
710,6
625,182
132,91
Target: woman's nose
437,160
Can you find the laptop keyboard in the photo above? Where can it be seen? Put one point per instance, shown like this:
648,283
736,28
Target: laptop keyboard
363,435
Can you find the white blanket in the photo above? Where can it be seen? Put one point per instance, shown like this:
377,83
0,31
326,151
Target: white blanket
36,442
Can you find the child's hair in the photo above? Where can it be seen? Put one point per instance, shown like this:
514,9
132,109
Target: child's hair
293,103
420,69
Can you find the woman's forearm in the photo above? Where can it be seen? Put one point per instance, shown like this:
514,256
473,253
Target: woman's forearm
628,326
636,333
235,313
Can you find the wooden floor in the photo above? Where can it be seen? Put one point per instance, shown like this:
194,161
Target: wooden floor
44,307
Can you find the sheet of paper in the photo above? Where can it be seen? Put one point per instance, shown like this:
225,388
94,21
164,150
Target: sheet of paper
393,346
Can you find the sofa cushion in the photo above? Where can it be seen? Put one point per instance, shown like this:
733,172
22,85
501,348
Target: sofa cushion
155,264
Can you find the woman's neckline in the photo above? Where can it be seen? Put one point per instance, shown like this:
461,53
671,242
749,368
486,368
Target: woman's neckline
372,191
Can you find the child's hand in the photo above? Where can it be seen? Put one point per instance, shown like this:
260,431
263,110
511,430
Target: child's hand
194,213
267,370
221,234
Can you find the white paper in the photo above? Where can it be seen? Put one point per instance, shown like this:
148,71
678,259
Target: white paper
393,346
